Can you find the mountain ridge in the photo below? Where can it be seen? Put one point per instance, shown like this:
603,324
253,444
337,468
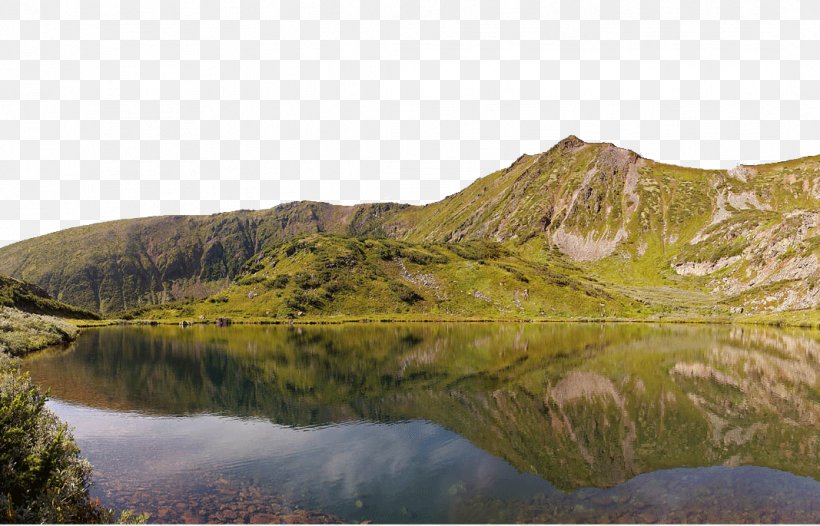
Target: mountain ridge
748,236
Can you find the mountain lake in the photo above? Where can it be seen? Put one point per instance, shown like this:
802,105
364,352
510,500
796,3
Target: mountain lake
439,422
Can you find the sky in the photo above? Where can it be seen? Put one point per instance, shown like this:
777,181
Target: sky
114,109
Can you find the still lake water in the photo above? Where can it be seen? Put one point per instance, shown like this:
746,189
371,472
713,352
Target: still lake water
446,422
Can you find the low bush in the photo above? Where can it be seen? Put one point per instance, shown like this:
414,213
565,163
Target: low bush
43,479
306,280
299,246
251,280
279,282
303,301
516,273
477,250
424,258
389,252
405,293
218,299
338,286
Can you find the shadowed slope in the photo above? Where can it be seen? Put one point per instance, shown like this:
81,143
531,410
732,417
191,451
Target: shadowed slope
30,298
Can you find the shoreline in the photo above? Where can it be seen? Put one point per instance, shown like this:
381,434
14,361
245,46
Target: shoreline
813,321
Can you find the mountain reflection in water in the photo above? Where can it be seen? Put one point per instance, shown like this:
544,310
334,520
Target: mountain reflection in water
450,422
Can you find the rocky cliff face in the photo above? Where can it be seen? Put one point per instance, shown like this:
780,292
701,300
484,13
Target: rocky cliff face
747,238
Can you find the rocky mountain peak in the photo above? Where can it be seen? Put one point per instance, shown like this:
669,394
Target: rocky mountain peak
569,144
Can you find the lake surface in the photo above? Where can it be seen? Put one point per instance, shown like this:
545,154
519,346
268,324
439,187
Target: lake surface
446,422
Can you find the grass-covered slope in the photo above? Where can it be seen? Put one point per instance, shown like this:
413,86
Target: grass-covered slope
747,236
124,264
30,320
332,276
744,239
672,239
31,298
22,332
585,199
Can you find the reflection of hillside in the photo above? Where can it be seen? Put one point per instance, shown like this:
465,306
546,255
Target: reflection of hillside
576,404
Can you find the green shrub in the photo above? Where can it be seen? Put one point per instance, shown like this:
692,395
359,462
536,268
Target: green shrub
388,252
516,273
303,301
43,479
218,299
337,286
342,261
251,280
279,282
419,258
298,246
477,250
255,266
306,280
405,293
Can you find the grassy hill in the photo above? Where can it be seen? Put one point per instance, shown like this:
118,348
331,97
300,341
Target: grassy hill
747,237
330,276
580,230
129,263
16,294
30,319
23,332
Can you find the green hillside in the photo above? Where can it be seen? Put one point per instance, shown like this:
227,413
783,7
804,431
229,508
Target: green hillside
30,320
580,230
747,237
23,332
125,264
331,276
29,298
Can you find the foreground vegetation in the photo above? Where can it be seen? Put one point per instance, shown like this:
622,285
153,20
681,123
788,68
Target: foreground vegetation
43,478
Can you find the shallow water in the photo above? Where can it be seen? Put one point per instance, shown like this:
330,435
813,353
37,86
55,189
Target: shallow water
446,422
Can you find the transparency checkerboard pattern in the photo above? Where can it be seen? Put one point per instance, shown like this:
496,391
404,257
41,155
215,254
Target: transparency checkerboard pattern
123,108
